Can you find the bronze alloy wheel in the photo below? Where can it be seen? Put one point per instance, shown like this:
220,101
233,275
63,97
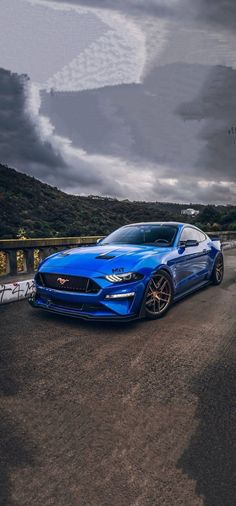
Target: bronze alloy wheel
218,270
159,295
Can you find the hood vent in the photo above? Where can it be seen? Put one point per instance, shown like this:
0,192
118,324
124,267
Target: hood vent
105,256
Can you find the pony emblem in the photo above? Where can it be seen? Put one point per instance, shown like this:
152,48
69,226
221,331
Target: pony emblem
62,281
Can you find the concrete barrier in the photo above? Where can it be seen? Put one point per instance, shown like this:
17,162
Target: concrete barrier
15,291
229,245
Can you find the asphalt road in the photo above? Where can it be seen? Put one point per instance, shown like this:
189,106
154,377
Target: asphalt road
139,414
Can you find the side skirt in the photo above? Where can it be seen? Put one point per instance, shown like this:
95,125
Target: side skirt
195,288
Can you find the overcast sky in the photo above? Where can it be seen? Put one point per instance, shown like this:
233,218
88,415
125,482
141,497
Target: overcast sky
127,98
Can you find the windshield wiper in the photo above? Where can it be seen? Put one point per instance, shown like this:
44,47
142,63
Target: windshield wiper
167,245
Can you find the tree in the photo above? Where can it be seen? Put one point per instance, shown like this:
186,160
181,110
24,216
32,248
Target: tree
229,217
232,226
210,214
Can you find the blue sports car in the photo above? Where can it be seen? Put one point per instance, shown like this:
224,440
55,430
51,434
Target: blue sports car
135,272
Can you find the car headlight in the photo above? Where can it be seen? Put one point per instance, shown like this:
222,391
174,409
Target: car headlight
124,277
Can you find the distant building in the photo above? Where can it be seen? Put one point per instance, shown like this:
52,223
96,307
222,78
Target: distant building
190,212
96,197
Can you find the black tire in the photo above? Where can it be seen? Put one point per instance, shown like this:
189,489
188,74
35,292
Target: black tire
158,296
218,270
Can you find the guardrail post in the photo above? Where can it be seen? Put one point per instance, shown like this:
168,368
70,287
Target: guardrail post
29,259
12,262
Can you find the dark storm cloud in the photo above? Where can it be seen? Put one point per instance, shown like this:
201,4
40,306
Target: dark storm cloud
145,124
19,140
77,176
94,119
188,190
138,122
216,108
156,7
218,12
21,145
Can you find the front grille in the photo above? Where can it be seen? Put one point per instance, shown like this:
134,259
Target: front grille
72,305
67,283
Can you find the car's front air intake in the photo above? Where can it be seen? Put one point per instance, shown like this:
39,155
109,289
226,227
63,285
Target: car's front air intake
67,283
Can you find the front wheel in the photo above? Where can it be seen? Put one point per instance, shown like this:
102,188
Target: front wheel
218,270
159,295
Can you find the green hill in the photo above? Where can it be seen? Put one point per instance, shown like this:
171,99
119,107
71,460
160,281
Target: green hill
40,210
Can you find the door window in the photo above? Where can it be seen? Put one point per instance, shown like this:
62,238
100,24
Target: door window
191,234
201,236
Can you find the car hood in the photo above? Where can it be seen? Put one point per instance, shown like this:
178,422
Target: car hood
100,259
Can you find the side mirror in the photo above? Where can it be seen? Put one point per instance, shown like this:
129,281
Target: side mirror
98,241
190,243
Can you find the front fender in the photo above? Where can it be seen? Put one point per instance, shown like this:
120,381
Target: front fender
164,267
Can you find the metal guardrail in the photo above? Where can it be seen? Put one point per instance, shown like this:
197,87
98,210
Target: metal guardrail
28,249
225,235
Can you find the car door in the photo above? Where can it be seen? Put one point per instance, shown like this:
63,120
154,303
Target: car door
192,262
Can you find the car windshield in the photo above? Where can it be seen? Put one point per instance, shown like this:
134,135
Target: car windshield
158,235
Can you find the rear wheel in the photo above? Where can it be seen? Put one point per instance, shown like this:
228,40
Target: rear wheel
159,295
218,270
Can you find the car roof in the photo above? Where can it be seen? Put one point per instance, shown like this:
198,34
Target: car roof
175,223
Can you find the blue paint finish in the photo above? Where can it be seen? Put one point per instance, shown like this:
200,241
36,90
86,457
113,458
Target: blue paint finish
189,267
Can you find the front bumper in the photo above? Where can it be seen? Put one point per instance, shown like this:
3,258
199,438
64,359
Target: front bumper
99,306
